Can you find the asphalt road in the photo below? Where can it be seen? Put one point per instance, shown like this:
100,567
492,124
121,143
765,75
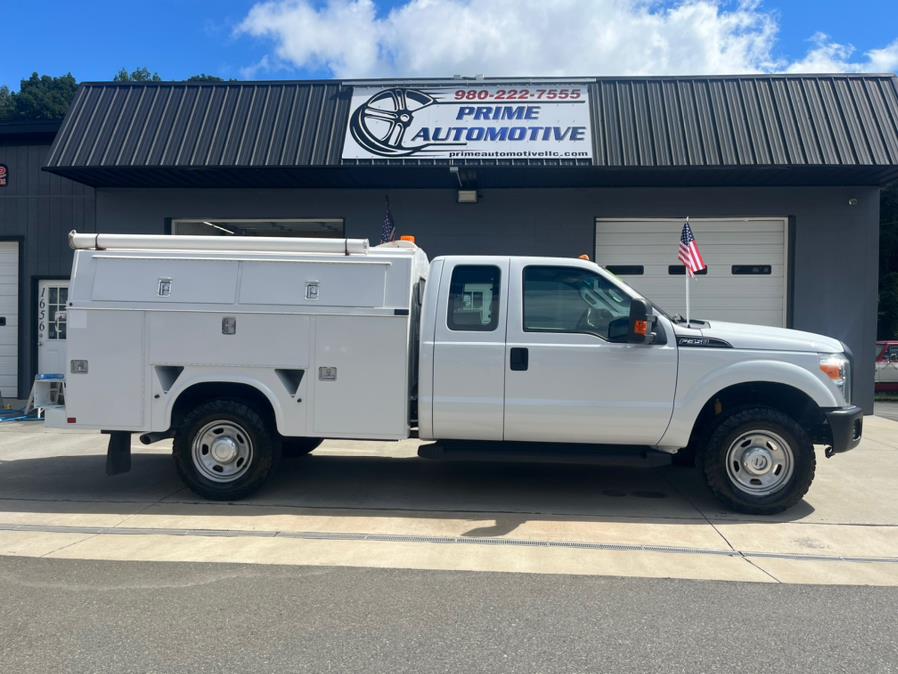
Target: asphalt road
73,615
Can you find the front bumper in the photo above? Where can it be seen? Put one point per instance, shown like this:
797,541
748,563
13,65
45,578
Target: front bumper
846,424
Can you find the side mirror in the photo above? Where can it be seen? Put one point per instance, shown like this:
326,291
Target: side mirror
640,322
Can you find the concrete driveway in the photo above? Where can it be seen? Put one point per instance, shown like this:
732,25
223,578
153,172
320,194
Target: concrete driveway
378,505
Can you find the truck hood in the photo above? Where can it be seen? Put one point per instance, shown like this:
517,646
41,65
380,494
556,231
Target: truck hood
762,337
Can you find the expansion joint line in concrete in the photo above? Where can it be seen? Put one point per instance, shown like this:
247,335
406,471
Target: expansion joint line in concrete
438,540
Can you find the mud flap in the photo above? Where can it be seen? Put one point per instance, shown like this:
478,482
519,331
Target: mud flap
118,453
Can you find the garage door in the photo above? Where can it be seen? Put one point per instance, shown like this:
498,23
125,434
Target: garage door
746,258
9,319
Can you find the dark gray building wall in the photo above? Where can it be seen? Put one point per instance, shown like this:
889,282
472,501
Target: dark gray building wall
38,209
834,249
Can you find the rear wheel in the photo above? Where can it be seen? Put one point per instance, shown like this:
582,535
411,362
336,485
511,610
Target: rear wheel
295,447
759,460
225,450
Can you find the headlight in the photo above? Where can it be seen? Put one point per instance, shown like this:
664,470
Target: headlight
838,368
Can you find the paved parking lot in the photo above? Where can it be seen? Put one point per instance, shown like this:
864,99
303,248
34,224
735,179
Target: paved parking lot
357,504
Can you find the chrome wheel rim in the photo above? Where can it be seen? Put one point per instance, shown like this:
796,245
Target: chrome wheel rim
759,463
222,451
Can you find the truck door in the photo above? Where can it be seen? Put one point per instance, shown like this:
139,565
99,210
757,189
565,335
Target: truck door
469,349
566,379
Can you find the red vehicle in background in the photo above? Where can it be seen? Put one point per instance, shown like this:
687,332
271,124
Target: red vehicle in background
886,376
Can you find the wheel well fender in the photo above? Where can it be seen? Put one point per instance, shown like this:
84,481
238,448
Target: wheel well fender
791,401
253,393
778,384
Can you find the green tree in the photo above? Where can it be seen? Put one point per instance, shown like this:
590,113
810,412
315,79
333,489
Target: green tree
888,263
203,77
138,75
7,104
39,97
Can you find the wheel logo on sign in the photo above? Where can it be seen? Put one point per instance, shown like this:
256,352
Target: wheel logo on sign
380,124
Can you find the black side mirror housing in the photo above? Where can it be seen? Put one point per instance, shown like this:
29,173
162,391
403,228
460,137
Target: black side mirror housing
641,322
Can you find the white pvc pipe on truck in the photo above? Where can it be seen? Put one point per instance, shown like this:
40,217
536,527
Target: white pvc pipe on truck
267,244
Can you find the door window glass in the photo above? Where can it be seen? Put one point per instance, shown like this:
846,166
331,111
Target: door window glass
52,312
474,298
570,299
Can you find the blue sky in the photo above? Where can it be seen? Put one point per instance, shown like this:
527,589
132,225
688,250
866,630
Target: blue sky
327,38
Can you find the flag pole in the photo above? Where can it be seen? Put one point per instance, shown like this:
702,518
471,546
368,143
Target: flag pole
686,276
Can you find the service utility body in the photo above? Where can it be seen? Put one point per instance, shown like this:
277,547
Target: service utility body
243,349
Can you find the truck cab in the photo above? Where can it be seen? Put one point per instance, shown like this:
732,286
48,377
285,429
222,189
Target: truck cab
503,336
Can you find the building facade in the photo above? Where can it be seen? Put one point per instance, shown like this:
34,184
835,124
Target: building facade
779,176
37,209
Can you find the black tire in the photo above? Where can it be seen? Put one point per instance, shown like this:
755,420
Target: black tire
296,447
721,478
252,432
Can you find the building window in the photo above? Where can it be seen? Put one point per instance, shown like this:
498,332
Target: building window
626,269
300,227
752,269
474,298
568,299
680,270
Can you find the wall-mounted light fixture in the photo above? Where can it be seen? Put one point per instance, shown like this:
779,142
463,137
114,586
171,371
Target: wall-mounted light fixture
454,171
467,184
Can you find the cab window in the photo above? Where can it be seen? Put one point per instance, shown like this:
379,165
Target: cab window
474,298
570,299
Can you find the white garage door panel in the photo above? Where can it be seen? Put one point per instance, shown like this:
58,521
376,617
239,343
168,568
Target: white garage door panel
9,308
748,298
724,251
772,239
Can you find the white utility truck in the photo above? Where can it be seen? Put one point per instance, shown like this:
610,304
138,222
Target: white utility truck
244,348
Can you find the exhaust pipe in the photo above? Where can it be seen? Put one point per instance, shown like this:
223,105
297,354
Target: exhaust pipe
156,436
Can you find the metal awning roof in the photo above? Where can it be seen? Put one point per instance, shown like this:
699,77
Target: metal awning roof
764,129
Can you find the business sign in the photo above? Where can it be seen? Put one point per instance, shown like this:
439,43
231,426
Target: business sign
4,175
469,121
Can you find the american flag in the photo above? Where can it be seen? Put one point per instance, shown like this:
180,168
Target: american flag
388,232
689,254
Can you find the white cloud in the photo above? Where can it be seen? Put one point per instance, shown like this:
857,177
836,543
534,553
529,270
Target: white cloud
347,38
827,56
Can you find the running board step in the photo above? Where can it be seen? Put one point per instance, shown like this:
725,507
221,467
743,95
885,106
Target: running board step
535,452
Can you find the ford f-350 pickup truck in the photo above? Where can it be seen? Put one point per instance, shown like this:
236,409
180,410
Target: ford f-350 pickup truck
245,348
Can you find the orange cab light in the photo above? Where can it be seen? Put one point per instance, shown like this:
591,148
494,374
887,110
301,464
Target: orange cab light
584,257
641,328
407,237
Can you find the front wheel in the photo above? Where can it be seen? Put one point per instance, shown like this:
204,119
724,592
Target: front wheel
759,461
224,450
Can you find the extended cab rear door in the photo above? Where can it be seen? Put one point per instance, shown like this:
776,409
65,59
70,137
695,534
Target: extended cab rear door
565,379
469,348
